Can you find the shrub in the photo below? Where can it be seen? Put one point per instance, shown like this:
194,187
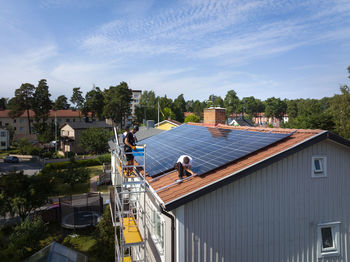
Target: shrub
106,158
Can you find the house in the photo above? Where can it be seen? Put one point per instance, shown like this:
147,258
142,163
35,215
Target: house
262,120
280,195
70,132
167,124
4,138
21,127
240,121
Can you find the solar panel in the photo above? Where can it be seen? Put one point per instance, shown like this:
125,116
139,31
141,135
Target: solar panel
209,147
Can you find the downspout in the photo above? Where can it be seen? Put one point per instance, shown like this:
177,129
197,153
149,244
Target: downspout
172,218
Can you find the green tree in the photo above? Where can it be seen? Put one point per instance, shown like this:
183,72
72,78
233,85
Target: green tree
215,101
105,240
41,107
192,118
3,103
77,99
275,107
117,103
147,108
94,103
61,103
24,240
231,102
22,101
198,107
251,106
21,194
167,113
340,110
94,140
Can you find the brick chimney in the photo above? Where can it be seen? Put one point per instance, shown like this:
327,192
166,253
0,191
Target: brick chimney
214,116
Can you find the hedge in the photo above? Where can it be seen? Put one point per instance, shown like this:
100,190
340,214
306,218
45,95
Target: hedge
76,163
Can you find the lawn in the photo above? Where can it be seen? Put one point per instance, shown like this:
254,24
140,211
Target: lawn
95,170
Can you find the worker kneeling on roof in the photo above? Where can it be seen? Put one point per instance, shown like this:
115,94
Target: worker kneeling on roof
129,145
183,166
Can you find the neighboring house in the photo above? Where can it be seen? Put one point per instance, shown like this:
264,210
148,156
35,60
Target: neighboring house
70,132
4,138
239,122
262,120
21,127
167,124
287,201
136,95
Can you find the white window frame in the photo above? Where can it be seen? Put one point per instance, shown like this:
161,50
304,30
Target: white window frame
330,251
159,240
316,173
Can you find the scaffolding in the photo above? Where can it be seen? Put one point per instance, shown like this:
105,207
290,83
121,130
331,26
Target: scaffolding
128,203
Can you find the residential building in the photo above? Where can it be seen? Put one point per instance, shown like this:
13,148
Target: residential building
70,131
281,195
4,138
136,96
262,120
167,124
239,121
21,126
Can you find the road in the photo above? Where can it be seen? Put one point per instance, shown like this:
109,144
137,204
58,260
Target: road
28,167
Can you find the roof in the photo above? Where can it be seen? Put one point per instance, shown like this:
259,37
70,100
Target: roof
59,113
175,194
57,252
145,132
170,121
85,125
241,122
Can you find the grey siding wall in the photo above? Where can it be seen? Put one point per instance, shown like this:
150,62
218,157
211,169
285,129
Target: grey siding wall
272,214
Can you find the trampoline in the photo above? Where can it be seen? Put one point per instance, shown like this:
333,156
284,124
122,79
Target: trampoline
81,211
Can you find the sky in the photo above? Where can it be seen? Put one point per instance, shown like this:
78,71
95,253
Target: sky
282,48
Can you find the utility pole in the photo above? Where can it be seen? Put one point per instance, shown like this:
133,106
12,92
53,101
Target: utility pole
158,112
55,132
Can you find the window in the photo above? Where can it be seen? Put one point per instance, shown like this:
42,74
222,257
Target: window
14,120
14,128
157,229
67,120
21,128
62,132
21,121
2,134
328,239
319,166
3,143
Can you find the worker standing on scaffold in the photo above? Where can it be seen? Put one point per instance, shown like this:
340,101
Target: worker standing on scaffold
129,145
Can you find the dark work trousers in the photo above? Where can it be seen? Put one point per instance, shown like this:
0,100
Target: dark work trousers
181,170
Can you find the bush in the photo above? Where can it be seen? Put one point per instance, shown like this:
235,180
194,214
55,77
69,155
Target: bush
106,158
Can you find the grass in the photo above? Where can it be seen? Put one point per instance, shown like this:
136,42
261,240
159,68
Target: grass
95,170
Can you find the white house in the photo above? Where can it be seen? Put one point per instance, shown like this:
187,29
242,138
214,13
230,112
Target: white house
287,201
4,138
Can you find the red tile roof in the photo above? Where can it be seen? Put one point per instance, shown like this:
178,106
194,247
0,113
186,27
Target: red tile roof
59,113
177,191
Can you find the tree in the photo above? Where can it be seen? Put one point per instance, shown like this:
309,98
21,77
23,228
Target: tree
94,140
147,108
340,110
251,106
77,98
275,107
215,101
21,194
192,118
167,113
94,103
61,103
198,107
231,102
105,240
41,107
3,103
22,101
117,103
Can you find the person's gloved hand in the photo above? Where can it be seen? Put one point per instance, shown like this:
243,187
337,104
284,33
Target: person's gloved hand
133,148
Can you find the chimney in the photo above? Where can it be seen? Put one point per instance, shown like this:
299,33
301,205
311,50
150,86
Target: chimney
150,123
214,116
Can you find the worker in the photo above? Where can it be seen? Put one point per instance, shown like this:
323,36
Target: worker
183,166
129,145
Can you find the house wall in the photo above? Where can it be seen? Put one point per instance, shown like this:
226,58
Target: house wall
4,139
272,214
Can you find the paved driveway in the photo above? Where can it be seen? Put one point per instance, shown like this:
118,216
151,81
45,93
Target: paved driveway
28,167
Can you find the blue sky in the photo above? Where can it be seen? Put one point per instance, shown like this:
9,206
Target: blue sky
282,48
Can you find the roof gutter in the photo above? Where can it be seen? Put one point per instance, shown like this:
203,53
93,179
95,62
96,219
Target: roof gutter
172,218
249,169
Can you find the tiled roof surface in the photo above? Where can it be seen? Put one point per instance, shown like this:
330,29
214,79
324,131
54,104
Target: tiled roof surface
59,113
178,190
84,125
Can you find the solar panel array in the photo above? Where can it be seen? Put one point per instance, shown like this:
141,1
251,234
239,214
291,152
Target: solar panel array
209,147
